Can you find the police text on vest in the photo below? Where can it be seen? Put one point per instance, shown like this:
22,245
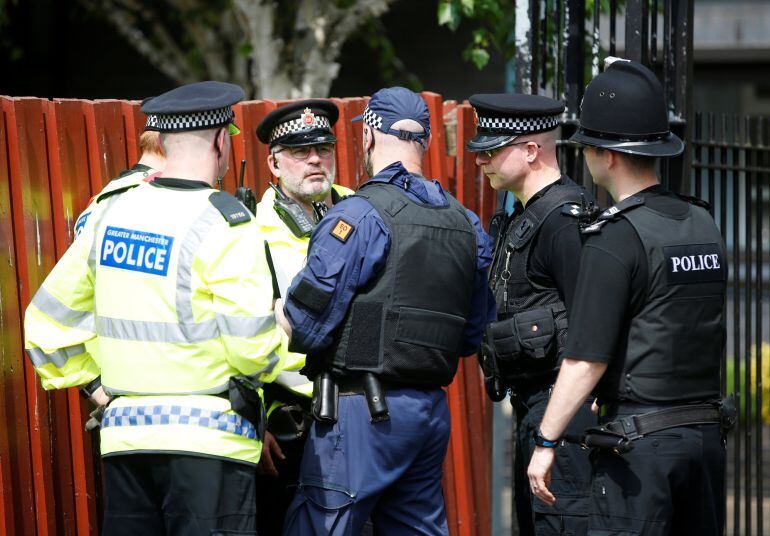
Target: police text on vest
696,262
138,251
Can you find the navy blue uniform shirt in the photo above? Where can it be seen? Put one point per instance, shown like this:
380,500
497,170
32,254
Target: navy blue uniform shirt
339,268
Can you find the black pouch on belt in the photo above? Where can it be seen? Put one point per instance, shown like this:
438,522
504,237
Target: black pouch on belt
601,438
289,422
246,402
325,398
728,413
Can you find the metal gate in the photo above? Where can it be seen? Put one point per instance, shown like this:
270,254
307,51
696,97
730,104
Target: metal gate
560,45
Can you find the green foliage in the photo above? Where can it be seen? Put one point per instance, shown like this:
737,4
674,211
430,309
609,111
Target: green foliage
494,21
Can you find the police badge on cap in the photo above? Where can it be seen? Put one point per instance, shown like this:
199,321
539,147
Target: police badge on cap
501,117
307,122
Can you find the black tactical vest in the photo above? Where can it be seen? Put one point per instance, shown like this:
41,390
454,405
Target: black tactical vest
539,315
675,343
407,325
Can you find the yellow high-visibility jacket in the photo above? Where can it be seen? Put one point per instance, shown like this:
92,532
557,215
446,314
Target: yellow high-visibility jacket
166,282
288,253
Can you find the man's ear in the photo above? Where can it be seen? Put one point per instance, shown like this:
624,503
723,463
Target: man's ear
532,150
272,163
368,137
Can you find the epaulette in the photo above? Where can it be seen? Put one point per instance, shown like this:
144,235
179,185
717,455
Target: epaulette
101,197
571,209
612,213
230,208
697,201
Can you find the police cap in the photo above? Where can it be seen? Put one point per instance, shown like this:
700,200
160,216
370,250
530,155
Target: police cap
624,110
198,106
393,104
501,117
306,122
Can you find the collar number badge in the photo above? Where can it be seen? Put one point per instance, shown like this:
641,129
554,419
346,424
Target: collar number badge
342,230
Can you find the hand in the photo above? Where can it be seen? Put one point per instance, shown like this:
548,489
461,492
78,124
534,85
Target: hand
280,318
539,473
595,406
99,397
269,447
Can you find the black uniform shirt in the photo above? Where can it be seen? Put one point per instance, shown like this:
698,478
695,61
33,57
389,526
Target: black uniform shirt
555,252
612,287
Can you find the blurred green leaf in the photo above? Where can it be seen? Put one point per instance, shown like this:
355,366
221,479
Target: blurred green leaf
448,15
479,57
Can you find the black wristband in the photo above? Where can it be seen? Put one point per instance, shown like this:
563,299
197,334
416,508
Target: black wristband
541,441
90,388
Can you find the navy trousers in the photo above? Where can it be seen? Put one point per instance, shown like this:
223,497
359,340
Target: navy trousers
388,471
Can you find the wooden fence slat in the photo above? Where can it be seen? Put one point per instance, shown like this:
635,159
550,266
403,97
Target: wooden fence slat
133,123
68,154
15,462
106,142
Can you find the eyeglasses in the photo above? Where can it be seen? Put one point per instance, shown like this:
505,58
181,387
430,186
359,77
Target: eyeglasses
492,152
324,150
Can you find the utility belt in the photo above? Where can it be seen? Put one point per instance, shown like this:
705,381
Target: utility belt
327,390
520,348
242,393
618,436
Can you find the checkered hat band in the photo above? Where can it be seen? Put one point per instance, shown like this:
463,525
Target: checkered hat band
372,119
165,415
299,125
519,125
194,120
152,122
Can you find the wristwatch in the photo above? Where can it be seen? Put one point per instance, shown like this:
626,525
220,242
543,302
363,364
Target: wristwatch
541,441
90,388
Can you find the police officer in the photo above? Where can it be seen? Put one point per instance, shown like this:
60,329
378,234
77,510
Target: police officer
302,160
647,324
533,279
167,277
393,293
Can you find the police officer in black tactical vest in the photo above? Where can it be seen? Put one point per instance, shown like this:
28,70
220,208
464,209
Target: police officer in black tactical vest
647,329
533,279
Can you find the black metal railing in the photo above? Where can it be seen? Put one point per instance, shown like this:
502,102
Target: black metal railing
731,170
560,45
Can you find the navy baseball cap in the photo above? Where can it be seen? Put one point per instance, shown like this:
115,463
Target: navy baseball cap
393,104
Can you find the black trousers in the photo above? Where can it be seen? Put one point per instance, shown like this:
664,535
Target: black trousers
671,483
175,494
570,475
275,493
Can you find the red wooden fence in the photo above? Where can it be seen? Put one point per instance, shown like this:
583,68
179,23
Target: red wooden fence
54,155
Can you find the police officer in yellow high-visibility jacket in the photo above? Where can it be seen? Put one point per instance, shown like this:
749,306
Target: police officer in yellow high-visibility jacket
167,281
302,159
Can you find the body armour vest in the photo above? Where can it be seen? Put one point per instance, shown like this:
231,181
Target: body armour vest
675,343
406,326
531,331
